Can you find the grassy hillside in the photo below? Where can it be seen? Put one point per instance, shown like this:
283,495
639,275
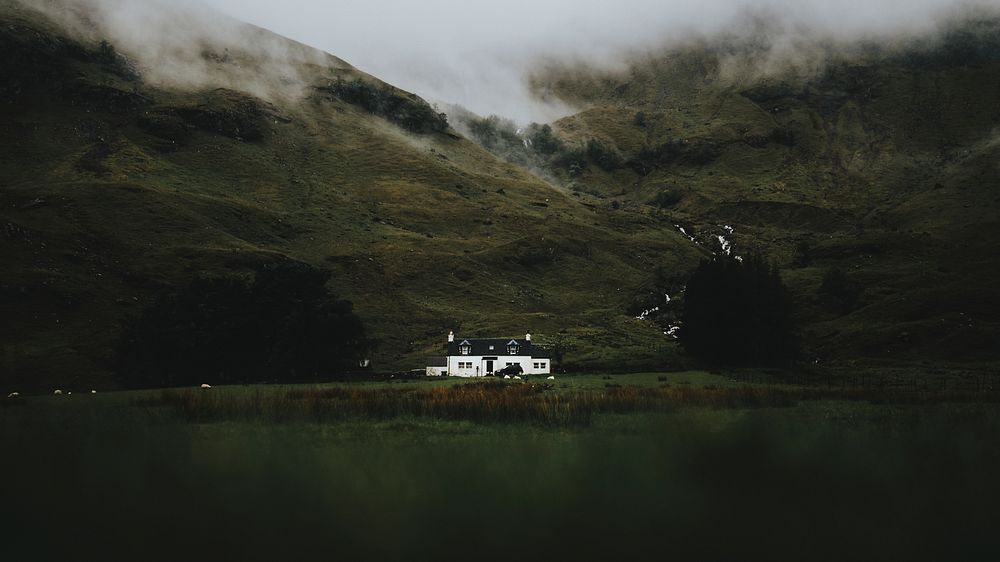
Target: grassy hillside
882,165
113,190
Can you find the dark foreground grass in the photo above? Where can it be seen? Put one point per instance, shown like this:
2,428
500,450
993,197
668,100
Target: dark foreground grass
676,473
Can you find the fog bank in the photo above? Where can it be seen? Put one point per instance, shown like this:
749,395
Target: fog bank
476,53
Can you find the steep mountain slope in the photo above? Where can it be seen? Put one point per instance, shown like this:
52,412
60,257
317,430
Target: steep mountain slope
117,185
882,164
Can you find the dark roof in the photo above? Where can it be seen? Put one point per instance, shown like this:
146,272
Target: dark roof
482,346
437,361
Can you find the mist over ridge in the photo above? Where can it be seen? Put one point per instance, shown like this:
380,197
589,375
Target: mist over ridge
479,54
188,45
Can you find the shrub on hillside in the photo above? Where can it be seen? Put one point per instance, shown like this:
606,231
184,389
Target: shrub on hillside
543,140
838,292
574,161
605,158
667,198
697,153
496,134
738,313
283,325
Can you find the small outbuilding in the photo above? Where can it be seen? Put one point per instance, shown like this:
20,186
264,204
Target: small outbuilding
437,367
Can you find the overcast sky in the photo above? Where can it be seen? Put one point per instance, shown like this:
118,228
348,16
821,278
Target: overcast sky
475,52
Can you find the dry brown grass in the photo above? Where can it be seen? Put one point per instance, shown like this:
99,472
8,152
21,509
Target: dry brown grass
500,403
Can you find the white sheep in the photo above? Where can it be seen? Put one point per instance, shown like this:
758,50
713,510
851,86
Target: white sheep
506,376
551,378
57,392
13,395
517,377
93,392
206,386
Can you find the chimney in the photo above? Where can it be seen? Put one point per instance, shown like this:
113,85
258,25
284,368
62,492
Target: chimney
527,337
451,337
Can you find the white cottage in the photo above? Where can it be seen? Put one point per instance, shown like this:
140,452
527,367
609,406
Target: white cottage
477,357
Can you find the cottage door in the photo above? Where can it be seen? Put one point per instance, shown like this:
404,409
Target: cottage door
489,367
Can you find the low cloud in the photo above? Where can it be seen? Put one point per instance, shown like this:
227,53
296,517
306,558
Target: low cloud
183,43
478,53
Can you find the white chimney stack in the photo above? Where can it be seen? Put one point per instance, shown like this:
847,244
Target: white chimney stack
451,337
527,337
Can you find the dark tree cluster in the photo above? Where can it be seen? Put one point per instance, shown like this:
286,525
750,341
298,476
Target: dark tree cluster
698,153
667,198
406,110
282,326
536,146
494,131
573,160
544,141
605,158
738,313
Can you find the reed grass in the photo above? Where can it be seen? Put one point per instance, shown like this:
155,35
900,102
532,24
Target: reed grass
502,403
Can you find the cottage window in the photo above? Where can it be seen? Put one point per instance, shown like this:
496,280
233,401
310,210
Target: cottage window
465,348
511,350
541,365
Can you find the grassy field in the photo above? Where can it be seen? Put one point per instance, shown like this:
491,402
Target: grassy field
695,465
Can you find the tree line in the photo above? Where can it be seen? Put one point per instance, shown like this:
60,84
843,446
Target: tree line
280,325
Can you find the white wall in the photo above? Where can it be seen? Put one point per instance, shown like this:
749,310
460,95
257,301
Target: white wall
541,370
527,365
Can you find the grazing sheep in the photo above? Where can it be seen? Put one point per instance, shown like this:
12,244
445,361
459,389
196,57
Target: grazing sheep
93,392
552,378
13,395
206,386
506,376
57,392
517,377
